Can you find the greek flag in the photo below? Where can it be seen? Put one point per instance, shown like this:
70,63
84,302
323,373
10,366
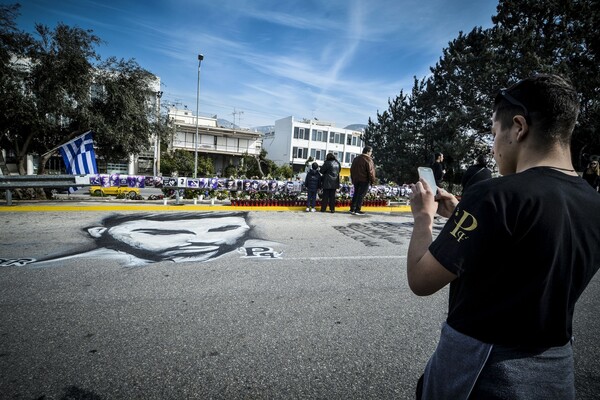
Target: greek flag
79,157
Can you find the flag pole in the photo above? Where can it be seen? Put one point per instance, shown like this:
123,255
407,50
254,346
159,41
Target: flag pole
70,140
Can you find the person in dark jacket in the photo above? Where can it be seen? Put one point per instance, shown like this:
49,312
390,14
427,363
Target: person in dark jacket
476,172
362,173
330,175
312,183
438,169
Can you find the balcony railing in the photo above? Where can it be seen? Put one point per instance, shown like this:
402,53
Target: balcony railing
204,147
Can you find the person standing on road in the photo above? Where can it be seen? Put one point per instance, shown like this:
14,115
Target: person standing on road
330,173
438,169
517,251
312,183
362,173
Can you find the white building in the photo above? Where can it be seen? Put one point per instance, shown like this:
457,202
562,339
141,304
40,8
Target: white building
225,146
294,142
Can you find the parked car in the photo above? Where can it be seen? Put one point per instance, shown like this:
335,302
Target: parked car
131,192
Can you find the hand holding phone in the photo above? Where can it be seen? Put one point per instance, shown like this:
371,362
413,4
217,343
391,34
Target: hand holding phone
426,173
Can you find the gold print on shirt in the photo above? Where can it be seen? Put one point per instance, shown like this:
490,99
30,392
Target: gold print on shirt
465,222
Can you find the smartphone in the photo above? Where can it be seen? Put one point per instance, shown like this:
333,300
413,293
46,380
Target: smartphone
427,174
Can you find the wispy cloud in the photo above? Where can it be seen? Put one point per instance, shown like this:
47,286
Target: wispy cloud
341,59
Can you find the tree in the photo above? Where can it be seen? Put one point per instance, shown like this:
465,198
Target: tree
181,162
53,91
284,171
57,85
403,137
119,109
450,110
257,165
562,37
13,43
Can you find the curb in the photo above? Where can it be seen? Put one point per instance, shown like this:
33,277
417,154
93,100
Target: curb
87,206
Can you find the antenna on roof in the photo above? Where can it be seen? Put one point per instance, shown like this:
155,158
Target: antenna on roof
239,118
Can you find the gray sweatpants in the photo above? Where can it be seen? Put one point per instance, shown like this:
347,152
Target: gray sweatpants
464,368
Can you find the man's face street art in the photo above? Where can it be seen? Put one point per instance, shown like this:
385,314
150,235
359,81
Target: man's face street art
178,240
141,239
178,237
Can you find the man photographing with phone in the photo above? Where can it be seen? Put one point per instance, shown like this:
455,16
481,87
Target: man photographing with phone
517,251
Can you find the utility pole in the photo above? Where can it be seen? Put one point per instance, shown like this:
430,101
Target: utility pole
200,58
157,136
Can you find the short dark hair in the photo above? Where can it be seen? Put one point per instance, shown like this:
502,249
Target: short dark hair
330,156
548,102
481,160
315,165
367,149
437,155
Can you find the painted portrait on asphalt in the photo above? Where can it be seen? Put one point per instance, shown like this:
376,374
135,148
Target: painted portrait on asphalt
139,239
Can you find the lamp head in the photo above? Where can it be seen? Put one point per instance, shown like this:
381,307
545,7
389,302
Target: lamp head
200,57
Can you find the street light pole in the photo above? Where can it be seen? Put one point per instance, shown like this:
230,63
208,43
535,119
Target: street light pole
156,170
200,58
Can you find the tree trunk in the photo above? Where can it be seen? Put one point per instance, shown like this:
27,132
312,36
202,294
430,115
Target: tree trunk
22,154
21,164
262,174
42,163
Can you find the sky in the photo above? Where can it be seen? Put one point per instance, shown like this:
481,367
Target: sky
333,60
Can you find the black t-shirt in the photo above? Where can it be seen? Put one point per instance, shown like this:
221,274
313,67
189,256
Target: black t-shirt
524,247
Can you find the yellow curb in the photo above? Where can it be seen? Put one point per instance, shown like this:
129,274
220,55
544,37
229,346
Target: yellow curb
173,207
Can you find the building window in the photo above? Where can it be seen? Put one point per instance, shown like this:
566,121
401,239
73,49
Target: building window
301,133
317,154
300,152
350,157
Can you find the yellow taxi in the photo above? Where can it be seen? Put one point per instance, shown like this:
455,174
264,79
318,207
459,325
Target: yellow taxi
131,192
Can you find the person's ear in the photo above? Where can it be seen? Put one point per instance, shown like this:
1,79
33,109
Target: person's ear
96,231
520,123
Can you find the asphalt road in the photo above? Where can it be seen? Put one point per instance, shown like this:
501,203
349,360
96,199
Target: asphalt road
331,317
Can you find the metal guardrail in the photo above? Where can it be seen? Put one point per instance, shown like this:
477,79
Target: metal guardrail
42,181
8,182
